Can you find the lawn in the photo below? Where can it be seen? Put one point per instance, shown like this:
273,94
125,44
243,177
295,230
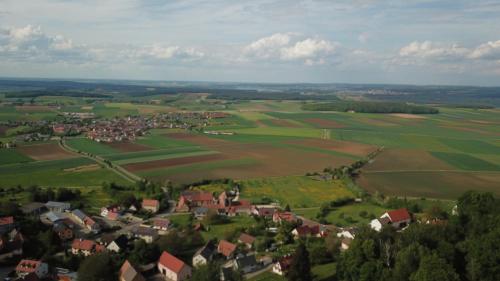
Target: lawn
297,191
219,231
11,156
90,146
267,276
145,156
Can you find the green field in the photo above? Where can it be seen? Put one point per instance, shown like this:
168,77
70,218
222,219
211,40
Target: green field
466,162
12,156
90,146
56,173
297,191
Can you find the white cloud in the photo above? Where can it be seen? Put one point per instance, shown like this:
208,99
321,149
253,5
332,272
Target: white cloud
430,50
267,47
363,37
288,47
307,49
489,51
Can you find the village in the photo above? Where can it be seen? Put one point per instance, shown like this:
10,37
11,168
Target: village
107,130
120,231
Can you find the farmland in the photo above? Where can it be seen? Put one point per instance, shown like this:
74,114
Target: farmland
272,142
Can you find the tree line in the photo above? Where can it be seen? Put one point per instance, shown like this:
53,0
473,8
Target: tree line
370,107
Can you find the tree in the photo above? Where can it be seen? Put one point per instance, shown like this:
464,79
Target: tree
300,268
97,268
206,272
434,268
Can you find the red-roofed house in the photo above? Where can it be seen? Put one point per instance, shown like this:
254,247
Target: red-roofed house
399,218
278,217
173,268
129,273
264,211
246,239
161,224
26,267
85,247
239,207
112,212
306,230
151,205
282,265
192,199
226,248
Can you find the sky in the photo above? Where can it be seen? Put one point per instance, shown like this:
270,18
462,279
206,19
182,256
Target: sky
455,42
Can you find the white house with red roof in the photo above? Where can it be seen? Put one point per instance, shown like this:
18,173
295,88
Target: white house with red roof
279,217
282,265
26,267
172,268
192,199
399,219
151,205
86,247
226,248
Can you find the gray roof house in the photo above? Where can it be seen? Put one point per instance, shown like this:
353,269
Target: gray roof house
58,206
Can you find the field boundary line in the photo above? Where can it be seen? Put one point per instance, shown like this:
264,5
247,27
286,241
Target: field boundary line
429,171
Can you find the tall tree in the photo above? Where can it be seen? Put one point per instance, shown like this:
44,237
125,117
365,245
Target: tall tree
300,268
97,268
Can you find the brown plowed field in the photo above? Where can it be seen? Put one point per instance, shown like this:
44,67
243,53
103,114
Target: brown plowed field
128,146
270,160
324,123
50,151
353,148
151,165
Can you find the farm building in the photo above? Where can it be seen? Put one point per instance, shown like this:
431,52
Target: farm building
172,268
397,218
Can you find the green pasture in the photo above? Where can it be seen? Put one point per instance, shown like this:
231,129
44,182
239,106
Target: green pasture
163,156
11,156
297,191
54,173
466,162
219,231
90,146
161,141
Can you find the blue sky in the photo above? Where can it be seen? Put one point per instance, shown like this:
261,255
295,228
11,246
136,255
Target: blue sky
356,41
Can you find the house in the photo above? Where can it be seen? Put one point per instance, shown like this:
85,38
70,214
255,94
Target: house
282,265
348,232
192,199
161,224
151,205
86,247
112,213
145,233
200,212
33,209
78,215
204,254
226,248
240,207
6,224
25,267
399,219
119,244
60,207
304,231
54,217
172,268
63,231
246,264
264,211
247,240
279,217
92,225
129,273
11,245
